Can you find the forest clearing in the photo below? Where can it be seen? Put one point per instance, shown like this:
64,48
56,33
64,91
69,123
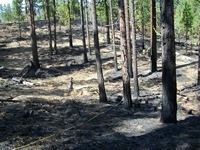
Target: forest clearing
47,115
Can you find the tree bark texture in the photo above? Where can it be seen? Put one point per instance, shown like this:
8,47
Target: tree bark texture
49,27
113,37
33,37
54,18
87,27
134,50
143,26
153,37
85,59
198,80
123,47
107,22
169,104
69,25
102,91
128,38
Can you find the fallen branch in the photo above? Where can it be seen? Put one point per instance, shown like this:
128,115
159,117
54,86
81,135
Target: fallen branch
22,81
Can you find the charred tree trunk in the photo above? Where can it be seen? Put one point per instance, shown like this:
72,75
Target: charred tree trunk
123,47
143,26
186,37
102,91
87,27
49,27
107,22
135,70
69,24
83,34
36,64
128,38
54,18
198,80
153,37
113,37
169,104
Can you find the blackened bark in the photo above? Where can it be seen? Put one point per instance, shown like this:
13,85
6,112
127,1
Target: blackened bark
169,104
85,59
87,28
113,37
153,37
143,26
102,91
36,64
54,18
107,22
186,36
49,27
198,80
123,47
135,70
69,24
128,38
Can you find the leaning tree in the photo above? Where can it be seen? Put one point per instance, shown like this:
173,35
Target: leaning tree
102,91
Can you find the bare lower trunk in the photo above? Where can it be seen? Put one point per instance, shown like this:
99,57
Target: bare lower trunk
85,59
153,37
135,70
36,64
87,27
54,18
70,26
169,91
113,37
128,39
123,47
102,91
49,27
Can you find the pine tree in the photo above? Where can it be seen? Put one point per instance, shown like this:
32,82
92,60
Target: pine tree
124,53
169,91
187,20
102,91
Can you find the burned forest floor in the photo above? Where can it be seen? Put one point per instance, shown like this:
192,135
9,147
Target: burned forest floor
43,113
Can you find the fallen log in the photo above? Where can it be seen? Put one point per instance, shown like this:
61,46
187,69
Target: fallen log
9,99
22,81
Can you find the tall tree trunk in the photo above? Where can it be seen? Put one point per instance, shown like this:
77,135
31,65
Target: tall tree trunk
20,31
69,24
83,34
102,91
54,18
113,37
49,27
123,47
153,37
198,79
135,70
128,38
87,27
36,64
107,22
143,26
186,40
169,104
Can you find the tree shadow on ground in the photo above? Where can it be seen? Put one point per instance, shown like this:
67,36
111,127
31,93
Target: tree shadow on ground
80,124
